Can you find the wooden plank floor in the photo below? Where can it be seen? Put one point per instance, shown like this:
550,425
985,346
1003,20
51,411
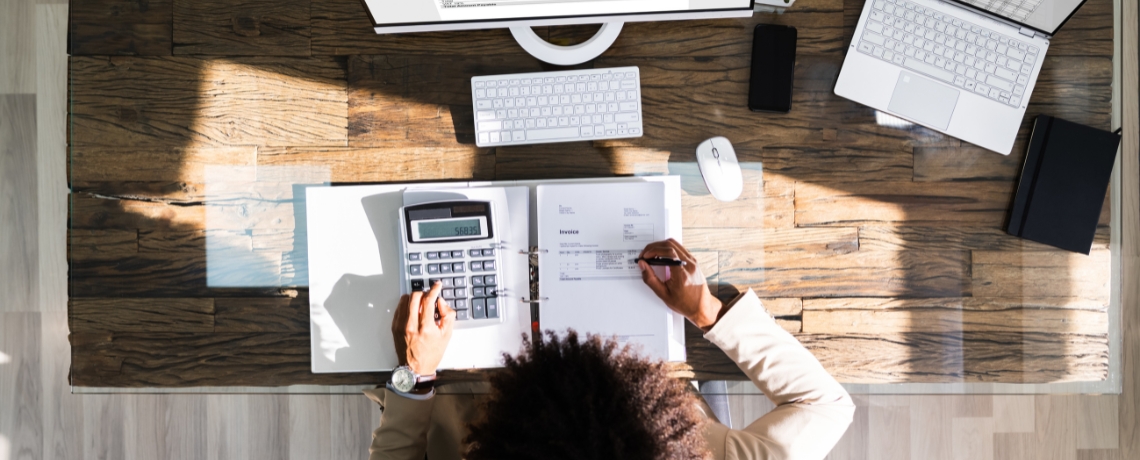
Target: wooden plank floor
889,238
39,418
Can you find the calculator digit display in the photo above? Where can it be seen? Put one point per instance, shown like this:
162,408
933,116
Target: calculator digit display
449,228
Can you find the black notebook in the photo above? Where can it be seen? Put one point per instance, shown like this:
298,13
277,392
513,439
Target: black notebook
1063,184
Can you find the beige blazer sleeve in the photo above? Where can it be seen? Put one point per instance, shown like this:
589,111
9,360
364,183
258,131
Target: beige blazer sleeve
812,410
403,428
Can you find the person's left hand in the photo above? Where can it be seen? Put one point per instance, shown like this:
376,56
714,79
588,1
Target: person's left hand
420,337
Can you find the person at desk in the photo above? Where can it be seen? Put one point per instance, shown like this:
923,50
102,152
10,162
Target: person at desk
589,399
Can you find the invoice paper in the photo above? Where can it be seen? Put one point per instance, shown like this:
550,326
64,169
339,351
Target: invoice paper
591,235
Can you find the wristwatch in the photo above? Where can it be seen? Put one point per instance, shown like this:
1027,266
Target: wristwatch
407,383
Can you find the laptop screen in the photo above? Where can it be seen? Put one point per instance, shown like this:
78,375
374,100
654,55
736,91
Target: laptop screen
1044,15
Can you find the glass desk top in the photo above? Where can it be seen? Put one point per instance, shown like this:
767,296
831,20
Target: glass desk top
879,244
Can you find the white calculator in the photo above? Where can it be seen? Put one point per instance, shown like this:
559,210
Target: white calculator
454,242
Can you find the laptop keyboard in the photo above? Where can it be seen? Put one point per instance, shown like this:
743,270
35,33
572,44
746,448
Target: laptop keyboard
943,47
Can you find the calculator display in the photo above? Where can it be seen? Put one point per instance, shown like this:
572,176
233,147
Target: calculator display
449,228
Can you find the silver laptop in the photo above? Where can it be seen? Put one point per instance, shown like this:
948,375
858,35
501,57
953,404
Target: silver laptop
962,67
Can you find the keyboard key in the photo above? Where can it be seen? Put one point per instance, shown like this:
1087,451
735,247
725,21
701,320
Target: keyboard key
457,267
1004,73
478,291
929,70
492,308
476,266
550,134
489,291
999,83
462,315
413,256
479,308
460,303
416,270
433,255
461,293
445,255
476,280
459,282
489,280
473,252
447,282
448,294
489,252
432,269
489,265
417,285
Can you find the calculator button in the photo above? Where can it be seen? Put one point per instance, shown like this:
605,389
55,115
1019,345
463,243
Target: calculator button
432,281
492,308
456,254
457,267
489,280
461,293
460,282
433,255
478,291
479,308
489,291
476,280
417,270
448,294
445,268
447,282
445,255
488,253
461,304
476,266
461,315
488,265
413,256
417,285
433,269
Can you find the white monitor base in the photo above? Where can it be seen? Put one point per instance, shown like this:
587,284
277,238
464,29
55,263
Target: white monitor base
567,55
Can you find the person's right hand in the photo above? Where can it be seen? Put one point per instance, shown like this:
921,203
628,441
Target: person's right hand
685,291
420,337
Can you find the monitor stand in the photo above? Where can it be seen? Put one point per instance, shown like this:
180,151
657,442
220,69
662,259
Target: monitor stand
567,55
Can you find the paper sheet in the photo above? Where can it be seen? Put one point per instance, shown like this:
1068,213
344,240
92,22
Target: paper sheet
592,234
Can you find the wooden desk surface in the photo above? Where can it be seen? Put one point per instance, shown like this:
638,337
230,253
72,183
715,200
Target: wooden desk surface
880,247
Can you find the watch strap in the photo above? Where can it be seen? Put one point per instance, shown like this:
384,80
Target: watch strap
413,395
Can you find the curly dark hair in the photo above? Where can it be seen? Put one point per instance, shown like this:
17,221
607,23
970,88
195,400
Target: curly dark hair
591,399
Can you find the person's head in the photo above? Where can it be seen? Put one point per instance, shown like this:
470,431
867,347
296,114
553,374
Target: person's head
565,398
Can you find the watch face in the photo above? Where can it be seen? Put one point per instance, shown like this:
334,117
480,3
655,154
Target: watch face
403,379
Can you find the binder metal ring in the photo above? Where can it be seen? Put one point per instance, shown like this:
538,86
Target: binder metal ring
540,251
530,301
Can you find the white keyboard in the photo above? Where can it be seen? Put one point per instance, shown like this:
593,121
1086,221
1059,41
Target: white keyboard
949,49
565,106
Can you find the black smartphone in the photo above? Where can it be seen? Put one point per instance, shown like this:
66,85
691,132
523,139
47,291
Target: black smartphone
773,68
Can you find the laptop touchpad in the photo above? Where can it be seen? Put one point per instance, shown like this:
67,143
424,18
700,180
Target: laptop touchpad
924,100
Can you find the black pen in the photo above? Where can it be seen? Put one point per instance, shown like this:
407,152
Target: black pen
661,261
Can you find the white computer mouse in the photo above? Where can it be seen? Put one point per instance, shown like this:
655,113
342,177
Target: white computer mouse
721,170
